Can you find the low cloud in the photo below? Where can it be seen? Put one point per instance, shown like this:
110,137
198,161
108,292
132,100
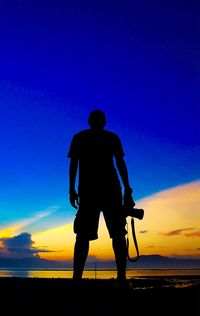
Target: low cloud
151,246
20,246
177,232
194,234
182,232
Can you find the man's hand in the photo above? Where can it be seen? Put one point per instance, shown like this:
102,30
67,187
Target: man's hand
128,199
73,197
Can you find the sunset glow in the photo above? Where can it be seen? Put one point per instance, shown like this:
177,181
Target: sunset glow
174,210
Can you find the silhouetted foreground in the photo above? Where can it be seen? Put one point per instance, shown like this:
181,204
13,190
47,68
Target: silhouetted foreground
99,297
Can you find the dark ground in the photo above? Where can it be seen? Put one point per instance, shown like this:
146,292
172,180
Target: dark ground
152,296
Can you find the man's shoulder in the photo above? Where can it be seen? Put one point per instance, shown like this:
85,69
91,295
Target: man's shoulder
104,136
90,132
110,134
82,134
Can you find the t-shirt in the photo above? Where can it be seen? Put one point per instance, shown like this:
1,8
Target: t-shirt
95,150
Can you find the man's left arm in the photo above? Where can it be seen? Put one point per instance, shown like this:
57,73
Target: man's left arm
121,166
73,196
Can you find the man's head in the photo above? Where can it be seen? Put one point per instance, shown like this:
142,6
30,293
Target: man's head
97,119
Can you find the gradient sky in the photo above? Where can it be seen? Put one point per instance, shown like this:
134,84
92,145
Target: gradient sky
136,60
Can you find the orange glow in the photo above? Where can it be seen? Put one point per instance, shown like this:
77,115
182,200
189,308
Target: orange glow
61,240
171,225
170,210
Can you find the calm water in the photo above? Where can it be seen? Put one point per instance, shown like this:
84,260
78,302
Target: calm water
100,274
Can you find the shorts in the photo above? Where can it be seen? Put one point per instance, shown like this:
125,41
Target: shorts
87,220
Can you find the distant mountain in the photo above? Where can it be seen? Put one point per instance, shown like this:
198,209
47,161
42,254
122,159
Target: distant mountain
153,262
159,262
144,262
33,263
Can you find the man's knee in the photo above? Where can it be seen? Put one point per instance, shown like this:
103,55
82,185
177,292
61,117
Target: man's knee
82,240
118,238
119,242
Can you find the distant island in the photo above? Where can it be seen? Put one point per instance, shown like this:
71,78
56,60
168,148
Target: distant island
144,262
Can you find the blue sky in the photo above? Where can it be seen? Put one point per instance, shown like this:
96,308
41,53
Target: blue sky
137,61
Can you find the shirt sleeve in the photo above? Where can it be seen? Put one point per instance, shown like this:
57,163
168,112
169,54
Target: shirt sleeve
118,149
74,148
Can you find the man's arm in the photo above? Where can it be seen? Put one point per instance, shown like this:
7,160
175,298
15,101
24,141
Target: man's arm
121,166
72,179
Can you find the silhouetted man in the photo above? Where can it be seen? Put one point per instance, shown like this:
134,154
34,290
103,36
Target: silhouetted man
92,151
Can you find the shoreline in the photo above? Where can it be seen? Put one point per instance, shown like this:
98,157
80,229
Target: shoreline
100,297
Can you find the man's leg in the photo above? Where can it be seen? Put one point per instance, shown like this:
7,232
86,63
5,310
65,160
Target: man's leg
80,255
119,247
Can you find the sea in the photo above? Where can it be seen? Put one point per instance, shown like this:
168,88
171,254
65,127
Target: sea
98,274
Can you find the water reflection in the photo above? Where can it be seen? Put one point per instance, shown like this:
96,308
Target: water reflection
14,273
21,273
100,274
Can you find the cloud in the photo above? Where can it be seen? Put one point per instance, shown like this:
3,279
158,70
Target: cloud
143,231
16,227
194,234
20,246
176,232
150,246
181,232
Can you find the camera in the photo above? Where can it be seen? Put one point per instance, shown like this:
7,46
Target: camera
134,212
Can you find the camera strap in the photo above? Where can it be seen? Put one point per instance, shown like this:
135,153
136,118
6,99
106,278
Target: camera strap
135,242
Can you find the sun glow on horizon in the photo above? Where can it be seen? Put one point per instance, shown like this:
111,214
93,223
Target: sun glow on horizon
175,210
171,226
